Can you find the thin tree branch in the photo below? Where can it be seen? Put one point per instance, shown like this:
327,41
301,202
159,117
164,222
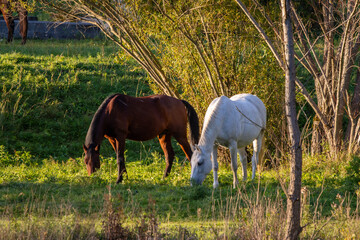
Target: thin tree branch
303,90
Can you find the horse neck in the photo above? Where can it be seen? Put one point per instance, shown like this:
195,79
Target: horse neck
96,131
209,132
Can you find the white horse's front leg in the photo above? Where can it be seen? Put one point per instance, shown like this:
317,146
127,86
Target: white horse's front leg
243,161
215,166
233,153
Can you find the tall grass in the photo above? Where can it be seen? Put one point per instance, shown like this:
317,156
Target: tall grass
238,216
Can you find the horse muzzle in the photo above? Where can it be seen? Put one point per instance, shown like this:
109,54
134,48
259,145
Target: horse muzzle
91,170
195,182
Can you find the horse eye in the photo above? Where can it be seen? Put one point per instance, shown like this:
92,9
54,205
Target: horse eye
200,163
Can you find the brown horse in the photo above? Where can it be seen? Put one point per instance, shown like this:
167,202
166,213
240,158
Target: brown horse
6,10
122,117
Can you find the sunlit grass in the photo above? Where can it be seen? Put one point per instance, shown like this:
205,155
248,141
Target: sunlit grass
50,91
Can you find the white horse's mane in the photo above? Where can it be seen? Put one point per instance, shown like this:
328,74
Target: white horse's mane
210,120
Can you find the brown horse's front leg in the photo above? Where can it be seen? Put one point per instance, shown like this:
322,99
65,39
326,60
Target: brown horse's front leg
165,142
121,168
120,147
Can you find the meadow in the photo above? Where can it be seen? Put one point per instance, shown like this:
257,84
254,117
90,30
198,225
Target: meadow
49,93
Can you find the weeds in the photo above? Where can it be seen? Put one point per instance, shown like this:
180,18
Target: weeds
38,220
113,221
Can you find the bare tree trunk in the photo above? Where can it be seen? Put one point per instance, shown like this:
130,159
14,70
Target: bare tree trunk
293,227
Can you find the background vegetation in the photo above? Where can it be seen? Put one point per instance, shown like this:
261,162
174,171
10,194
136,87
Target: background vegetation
192,50
49,93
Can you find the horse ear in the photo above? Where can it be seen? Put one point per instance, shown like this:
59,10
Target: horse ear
97,148
85,148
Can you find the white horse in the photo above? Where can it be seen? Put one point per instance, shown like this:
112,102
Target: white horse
233,123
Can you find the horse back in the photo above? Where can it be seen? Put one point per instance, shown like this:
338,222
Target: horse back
240,118
251,106
144,118
173,112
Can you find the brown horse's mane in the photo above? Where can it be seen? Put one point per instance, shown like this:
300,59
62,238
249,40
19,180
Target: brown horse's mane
91,136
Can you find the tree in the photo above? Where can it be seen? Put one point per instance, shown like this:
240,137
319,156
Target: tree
336,79
330,57
293,227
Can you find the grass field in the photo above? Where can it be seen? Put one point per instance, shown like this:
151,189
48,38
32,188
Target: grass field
49,93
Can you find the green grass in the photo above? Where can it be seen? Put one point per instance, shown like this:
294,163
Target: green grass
49,93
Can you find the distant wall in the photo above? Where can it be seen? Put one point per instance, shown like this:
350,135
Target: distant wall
56,30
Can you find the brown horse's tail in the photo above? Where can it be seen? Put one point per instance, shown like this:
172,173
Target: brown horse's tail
193,122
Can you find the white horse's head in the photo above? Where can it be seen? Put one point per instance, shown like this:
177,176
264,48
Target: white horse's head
200,165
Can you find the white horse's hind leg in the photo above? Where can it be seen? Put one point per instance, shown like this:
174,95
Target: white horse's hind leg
215,165
233,153
243,160
255,158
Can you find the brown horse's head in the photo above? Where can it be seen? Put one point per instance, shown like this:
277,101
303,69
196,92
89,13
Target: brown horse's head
91,158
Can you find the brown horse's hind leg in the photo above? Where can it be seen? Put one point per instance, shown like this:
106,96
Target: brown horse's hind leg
165,142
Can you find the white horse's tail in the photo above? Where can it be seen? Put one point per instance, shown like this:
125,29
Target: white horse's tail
262,148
